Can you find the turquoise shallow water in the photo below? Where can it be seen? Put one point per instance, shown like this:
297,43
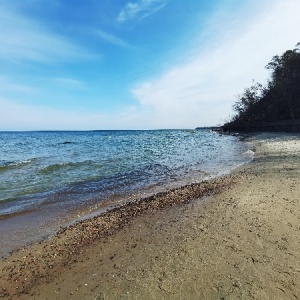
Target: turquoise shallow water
47,176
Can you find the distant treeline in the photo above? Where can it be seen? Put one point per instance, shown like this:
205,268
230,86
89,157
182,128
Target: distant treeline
278,100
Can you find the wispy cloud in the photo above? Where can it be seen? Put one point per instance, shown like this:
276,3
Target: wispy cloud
6,84
201,91
15,115
112,39
23,39
70,83
140,9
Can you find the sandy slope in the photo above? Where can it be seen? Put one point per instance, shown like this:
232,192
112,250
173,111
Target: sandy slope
242,243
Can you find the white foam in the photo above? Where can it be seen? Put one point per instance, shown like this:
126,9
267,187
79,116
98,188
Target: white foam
249,153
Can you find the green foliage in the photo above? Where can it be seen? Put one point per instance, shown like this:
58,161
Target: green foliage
279,100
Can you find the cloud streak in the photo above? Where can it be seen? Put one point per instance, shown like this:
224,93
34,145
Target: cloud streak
6,84
201,91
112,39
198,92
15,116
24,39
70,83
140,9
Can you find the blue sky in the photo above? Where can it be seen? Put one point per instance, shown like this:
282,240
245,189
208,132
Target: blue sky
139,64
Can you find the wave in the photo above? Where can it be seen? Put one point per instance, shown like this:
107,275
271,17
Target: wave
108,163
60,166
249,153
7,165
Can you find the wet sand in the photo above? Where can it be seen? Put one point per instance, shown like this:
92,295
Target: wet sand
236,237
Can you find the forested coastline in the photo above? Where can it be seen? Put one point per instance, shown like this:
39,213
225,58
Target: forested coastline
278,102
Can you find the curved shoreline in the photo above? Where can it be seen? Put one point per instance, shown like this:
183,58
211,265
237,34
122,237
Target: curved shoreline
31,264
42,218
239,243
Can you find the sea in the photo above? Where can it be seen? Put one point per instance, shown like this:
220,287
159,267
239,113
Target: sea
50,179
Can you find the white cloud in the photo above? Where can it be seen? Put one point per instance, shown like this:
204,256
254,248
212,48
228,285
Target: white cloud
201,91
112,39
140,9
6,84
24,39
18,116
70,83
195,93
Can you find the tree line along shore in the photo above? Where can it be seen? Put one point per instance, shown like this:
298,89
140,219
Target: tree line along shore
274,106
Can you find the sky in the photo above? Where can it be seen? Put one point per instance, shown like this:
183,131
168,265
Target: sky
137,64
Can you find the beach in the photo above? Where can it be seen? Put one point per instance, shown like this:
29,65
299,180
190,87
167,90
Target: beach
51,179
234,237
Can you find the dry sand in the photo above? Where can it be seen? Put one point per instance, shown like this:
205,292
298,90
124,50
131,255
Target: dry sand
232,238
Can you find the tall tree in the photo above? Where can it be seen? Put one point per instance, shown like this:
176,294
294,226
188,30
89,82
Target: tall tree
279,100
285,77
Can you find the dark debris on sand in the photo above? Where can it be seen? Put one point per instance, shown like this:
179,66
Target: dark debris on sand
40,262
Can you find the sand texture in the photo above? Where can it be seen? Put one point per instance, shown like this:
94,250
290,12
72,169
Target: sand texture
236,237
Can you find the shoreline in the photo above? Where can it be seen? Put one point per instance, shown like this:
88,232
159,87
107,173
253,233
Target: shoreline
32,225
70,241
235,237
47,228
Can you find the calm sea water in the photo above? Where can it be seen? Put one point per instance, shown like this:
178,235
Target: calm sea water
70,167
47,176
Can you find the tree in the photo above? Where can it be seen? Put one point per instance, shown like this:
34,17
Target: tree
278,100
286,77
247,101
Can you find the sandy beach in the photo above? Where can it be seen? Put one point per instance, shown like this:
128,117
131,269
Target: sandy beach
235,237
